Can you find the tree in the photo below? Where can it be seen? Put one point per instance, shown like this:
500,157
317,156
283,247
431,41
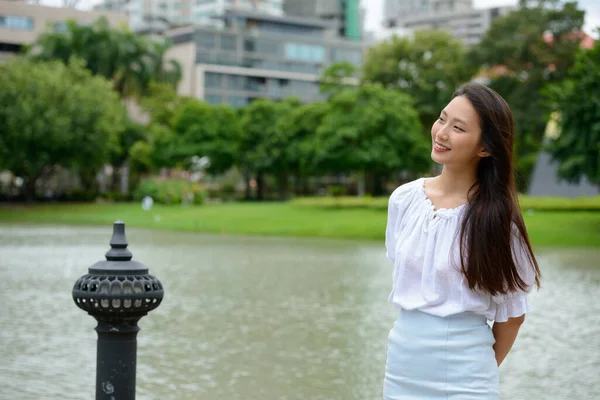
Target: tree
429,67
55,114
263,144
372,130
130,61
162,103
531,47
205,130
300,126
577,99
338,76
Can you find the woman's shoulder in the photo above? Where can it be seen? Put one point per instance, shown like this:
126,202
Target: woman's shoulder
407,189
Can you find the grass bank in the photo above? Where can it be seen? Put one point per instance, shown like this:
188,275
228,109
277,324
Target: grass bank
546,228
591,203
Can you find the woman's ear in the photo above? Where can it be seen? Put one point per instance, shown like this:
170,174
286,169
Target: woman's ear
482,153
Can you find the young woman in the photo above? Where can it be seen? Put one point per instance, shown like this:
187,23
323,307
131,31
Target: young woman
461,256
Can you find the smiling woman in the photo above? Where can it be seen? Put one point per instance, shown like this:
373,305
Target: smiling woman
461,256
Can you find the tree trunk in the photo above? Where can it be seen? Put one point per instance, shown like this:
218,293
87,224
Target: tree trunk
282,182
247,195
378,189
29,189
360,185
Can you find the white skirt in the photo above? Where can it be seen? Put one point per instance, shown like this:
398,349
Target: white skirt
440,358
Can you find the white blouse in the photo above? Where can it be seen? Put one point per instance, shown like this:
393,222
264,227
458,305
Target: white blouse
423,244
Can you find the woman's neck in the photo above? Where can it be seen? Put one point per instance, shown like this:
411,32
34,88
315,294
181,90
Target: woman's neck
456,182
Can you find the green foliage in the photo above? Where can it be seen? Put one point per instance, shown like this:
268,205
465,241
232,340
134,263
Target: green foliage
162,145
263,142
577,99
130,61
337,76
371,129
55,114
428,67
131,133
205,130
162,103
301,125
530,60
170,191
140,157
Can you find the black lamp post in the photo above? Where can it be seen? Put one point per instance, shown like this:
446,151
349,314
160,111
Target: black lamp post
117,292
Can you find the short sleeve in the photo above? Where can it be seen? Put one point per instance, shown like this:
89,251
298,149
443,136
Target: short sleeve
515,304
397,205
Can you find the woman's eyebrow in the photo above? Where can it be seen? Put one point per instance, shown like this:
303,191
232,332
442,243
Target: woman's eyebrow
456,119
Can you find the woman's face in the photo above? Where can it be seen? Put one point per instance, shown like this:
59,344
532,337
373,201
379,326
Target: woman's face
456,135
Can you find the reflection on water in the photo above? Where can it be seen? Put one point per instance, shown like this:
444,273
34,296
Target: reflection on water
262,318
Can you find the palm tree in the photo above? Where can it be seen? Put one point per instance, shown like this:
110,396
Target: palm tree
132,62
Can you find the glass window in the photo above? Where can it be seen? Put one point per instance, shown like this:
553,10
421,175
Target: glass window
204,57
236,82
205,40
60,26
226,58
267,46
256,84
204,15
249,45
228,42
212,80
12,22
318,53
305,52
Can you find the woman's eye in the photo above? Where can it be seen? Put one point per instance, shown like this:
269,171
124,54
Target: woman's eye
462,130
441,119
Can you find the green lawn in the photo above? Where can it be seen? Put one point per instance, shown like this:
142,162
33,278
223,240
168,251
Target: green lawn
557,228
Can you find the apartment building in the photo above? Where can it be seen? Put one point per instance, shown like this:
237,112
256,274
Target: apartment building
458,17
256,55
21,23
160,15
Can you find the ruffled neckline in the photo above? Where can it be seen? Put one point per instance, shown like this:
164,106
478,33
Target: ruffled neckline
447,212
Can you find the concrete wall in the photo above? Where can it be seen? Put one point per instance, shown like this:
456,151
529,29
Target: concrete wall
185,54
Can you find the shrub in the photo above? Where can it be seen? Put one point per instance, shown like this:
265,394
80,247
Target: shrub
169,191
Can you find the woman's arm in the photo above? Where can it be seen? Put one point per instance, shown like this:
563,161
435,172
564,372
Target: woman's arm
505,334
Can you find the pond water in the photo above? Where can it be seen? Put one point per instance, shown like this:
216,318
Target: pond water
262,318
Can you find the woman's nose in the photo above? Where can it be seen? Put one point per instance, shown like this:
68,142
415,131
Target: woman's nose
441,134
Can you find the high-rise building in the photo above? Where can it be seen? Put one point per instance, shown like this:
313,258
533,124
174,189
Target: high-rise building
256,55
159,15
347,14
458,17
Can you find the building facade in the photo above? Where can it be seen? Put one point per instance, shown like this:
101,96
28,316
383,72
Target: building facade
21,23
160,15
255,55
458,17
346,13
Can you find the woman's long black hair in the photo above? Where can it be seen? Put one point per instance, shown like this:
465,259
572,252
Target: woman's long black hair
487,234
